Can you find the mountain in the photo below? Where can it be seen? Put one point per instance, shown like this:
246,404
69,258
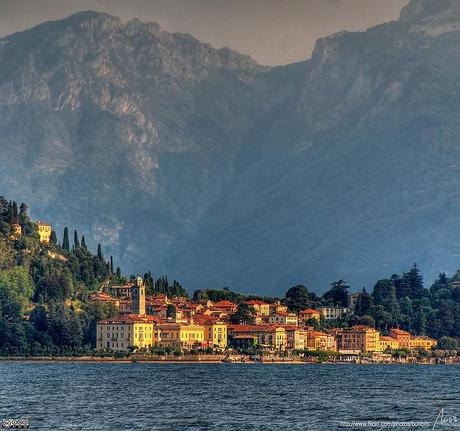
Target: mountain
201,164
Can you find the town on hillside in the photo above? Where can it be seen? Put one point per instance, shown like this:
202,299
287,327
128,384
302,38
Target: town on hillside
58,298
177,323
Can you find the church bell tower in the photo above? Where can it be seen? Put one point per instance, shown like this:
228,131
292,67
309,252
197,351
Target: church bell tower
138,297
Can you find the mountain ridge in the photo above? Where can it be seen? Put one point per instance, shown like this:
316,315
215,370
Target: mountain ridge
204,165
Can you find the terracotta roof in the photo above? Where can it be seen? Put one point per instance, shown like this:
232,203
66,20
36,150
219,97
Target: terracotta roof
310,311
131,318
224,304
204,319
255,302
290,327
399,331
386,338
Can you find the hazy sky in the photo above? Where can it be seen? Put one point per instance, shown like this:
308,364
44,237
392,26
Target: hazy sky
272,31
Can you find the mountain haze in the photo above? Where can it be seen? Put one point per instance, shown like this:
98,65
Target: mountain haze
204,165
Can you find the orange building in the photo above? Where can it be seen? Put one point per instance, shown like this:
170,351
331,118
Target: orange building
359,337
308,314
403,337
226,306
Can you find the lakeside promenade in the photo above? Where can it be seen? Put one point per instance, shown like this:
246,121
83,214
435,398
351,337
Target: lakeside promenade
235,359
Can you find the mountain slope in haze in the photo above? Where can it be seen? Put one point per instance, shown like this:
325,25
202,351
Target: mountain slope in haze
202,164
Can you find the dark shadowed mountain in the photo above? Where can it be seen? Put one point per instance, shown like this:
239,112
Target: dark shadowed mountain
204,165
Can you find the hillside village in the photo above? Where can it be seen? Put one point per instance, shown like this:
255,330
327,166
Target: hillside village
59,298
177,323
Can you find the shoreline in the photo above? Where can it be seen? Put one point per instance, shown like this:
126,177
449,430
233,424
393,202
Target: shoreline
188,360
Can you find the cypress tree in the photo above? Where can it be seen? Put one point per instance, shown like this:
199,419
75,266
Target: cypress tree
15,218
99,252
118,272
111,264
65,240
53,238
83,242
76,242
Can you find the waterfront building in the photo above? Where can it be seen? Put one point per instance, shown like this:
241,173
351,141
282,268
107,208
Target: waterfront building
422,342
388,343
403,337
120,333
177,335
359,337
296,338
215,331
44,231
316,340
268,336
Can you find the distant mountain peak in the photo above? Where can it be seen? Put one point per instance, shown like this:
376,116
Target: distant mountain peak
431,11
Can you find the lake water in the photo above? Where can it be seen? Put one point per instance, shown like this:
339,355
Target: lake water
104,396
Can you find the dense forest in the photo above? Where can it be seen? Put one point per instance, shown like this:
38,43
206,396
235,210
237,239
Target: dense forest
44,290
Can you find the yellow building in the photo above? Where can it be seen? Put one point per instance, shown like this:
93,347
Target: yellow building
268,336
178,335
359,337
262,308
122,332
215,331
44,231
316,340
388,343
277,307
422,342
296,338
16,231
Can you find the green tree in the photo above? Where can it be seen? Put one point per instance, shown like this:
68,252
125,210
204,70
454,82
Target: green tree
364,304
65,240
19,284
99,252
243,315
298,298
338,294
448,343
413,282
171,311
76,241
53,238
